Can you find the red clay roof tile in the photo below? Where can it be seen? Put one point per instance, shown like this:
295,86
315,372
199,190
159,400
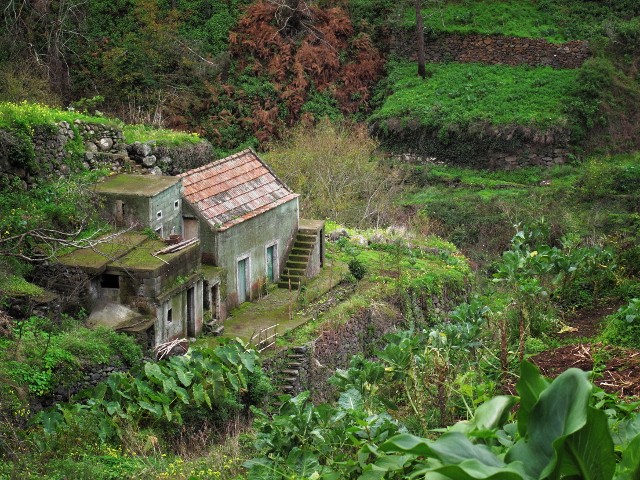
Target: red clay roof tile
233,189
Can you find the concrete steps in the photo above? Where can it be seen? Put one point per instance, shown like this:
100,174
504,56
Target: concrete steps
293,275
288,378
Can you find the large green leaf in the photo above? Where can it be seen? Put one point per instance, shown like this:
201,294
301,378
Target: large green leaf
50,420
154,408
489,416
184,376
351,400
586,454
248,359
154,372
476,470
450,448
629,467
530,385
627,430
561,411
198,394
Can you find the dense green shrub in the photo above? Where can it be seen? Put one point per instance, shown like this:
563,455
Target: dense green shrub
623,327
357,269
42,355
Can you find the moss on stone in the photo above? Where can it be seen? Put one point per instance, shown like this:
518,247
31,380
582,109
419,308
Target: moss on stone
142,185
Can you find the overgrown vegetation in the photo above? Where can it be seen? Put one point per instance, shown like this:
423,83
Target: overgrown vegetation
335,168
555,20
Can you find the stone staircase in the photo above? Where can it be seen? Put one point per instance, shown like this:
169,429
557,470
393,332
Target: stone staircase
298,260
289,377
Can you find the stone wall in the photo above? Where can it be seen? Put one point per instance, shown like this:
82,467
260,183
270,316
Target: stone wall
317,361
89,377
497,50
480,146
61,148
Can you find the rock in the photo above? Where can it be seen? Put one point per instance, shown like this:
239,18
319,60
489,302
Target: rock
338,234
165,160
91,147
89,156
105,144
149,161
156,171
139,150
359,240
378,238
397,230
64,169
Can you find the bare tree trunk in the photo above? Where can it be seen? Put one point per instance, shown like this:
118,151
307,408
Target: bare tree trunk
420,38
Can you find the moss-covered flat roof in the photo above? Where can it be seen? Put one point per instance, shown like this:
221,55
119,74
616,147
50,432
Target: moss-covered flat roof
142,258
129,251
97,258
140,185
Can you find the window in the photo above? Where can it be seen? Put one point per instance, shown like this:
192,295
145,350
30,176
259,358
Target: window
110,281
169,315
176,205
159,215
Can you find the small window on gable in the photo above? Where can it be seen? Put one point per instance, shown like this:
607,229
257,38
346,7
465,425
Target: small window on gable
159,214
176,205
169,315
110,281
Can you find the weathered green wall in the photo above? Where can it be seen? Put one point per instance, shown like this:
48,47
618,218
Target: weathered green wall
143,210
171,220
250,239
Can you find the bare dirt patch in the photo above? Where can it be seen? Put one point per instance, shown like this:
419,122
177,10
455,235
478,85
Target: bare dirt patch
617,369
620,371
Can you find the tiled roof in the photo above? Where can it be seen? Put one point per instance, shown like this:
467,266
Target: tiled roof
234,189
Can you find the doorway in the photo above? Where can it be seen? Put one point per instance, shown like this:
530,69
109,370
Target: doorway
271,263
243,280
190,229
211,299
191,317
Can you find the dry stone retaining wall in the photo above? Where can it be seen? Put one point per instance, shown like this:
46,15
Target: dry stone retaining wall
498,50
58,150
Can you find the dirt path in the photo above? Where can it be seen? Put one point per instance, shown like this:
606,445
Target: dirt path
617,369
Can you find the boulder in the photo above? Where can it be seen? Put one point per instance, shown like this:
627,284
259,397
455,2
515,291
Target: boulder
338,234
149,161
105,144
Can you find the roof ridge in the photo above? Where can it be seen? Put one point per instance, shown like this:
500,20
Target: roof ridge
217,162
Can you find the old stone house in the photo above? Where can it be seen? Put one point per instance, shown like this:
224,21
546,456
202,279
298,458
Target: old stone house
234,227
248,223
147,201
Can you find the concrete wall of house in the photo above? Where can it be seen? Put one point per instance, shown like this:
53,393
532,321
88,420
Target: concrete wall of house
166,330
249,239
136,209
171,218
316,261
153,284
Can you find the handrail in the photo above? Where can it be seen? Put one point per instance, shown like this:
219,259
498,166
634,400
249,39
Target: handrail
264,340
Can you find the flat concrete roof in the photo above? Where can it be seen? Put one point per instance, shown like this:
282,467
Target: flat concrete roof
140,185
128,251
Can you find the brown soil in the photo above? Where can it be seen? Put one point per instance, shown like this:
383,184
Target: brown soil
621,371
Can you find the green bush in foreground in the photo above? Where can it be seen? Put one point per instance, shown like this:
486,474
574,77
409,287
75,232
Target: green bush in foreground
623,327
557,433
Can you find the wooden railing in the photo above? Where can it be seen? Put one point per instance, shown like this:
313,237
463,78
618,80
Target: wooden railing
265,338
